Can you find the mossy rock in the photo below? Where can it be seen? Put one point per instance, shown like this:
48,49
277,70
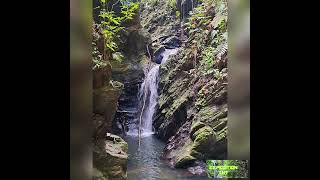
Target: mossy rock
118,67
156,54
118,140
204,139
196,154
105,104
100,126
221,123
184,160
110,157
97,175
195,127
117,56
102,75
105,99
144,60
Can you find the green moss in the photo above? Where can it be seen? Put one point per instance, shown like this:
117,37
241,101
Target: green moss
196,154
176,105
203,134
120,67
117,56
218,115
204,139
105,99
144,60
109,157
195,127
124,146
98,174
222,134
206,114
184,160
221,123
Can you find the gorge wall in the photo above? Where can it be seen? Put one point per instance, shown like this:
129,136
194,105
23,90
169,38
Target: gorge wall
192,111
191,115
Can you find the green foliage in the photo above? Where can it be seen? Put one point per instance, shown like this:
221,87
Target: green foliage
109,30
117,56
207,60
172,4
150,2
197,17
177,14
112,24
129,10
96,55
207,26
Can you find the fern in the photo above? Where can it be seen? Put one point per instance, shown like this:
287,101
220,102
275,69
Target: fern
222,50
207,61
172,5
112,23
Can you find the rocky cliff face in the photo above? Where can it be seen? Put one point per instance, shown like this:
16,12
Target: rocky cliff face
115,88
191,115
109,151
130,72
192,111
110,158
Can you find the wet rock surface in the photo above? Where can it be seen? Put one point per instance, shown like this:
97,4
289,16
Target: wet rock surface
105,104
110,157
192,111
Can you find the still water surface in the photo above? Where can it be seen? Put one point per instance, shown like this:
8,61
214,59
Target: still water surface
145,163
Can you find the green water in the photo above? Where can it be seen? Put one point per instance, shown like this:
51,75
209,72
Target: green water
145,163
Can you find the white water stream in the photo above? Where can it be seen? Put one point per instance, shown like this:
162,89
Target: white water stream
149,90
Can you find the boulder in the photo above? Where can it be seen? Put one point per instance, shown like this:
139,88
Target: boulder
204,139
171,42
105,104
195,127
184,160
157,54
102,75
110,157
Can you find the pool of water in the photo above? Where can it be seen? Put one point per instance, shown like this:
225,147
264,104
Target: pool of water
145,163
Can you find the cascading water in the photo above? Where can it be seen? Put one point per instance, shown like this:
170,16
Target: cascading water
149,93
144,160
149,89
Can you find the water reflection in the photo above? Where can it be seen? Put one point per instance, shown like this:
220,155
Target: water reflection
145,163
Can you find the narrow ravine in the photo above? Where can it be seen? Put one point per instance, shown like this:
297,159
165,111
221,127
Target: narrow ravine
148,96
160,88
145,161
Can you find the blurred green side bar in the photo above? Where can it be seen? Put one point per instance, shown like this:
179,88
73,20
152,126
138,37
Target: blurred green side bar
80,89
239,80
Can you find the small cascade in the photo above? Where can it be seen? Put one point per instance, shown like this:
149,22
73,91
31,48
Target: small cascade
148,95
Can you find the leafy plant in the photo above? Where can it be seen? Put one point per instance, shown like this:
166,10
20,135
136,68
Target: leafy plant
177,14
207,26
172,4
97,58
109,30
112,23
152,2
207,60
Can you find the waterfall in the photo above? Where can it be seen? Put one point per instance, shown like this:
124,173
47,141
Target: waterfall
149,88
149,93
